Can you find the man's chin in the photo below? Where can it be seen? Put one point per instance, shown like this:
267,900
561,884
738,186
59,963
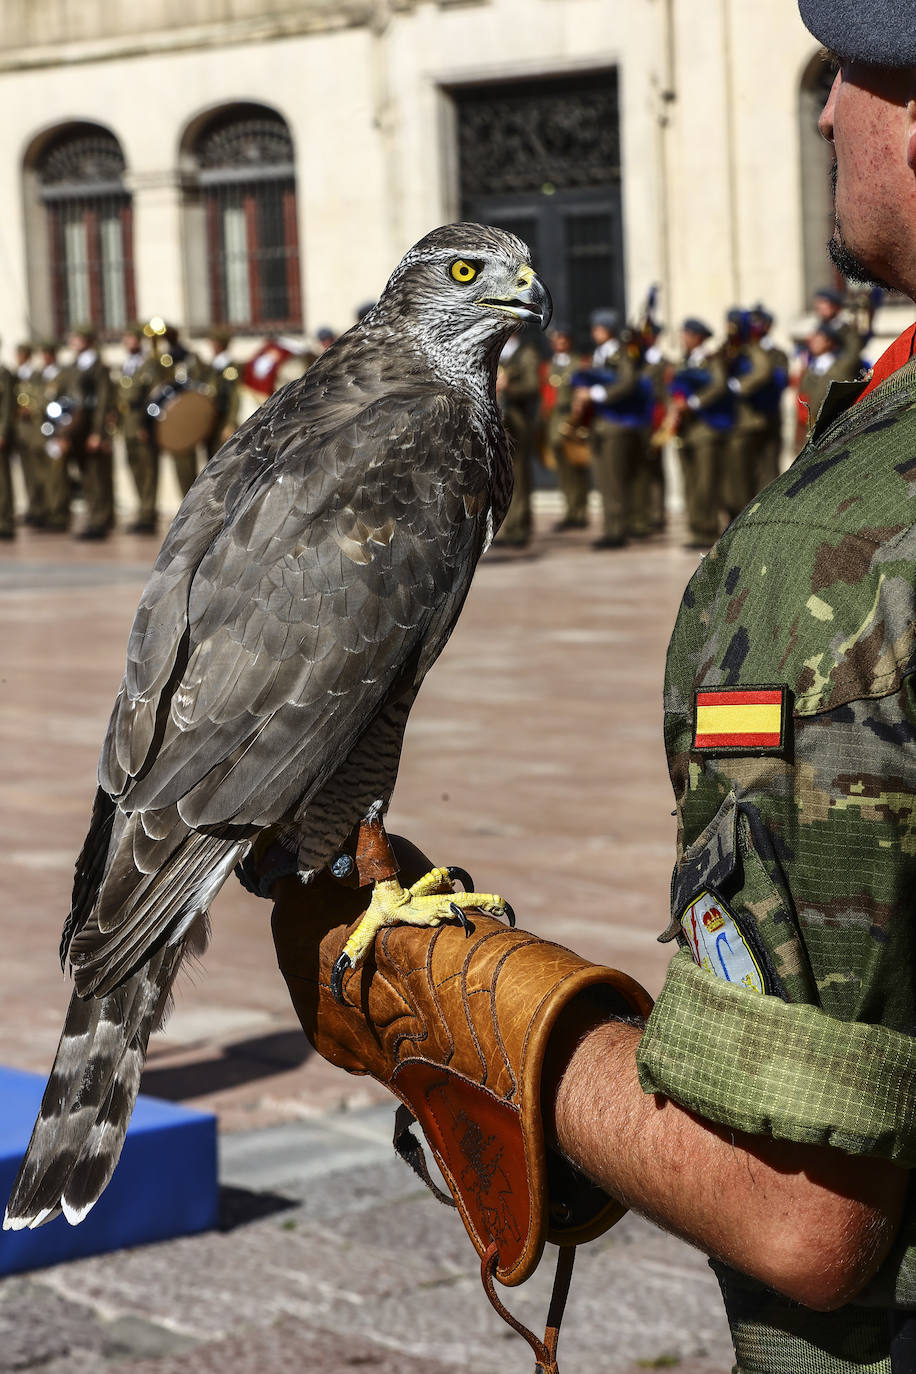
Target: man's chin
852,267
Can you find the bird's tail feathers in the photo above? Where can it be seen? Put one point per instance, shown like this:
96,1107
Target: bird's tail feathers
89,1097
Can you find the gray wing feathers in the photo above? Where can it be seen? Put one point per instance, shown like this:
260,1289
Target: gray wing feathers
301,618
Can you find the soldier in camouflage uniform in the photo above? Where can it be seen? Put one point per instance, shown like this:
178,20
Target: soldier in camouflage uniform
767,1109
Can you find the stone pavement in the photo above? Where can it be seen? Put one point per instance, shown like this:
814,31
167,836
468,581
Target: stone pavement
534,759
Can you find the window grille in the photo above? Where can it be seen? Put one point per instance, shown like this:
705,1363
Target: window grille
90,227
247,181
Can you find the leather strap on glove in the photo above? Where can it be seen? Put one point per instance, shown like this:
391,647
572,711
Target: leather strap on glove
458,1026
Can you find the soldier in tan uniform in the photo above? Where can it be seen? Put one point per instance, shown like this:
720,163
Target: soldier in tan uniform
28,438
829,362
518,393
705,411
56,475
770,451
137,378
574,477
87,440
749,373
175,365
224,378
657,370
619,397
7,414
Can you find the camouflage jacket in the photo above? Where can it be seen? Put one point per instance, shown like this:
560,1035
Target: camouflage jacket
790,726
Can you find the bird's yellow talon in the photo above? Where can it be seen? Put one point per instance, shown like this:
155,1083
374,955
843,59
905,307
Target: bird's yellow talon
428,902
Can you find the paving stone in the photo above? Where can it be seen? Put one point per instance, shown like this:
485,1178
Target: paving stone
534,758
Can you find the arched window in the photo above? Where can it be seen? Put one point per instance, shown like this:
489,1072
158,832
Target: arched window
80,176
247,192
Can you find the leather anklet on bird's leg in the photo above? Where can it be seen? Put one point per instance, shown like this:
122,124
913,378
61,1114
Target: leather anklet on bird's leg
427,902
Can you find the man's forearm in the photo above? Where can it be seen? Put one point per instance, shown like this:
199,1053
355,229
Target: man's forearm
810,1221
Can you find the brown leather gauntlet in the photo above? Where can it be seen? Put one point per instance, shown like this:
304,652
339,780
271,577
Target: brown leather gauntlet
458,1027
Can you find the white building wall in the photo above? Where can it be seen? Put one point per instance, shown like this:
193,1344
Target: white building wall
361,86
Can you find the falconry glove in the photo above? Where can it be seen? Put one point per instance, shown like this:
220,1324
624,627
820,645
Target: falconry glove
458,1023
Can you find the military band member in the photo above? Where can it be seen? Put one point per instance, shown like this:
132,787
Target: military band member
56,475
518,393
28,438
224,378
828,350
176,365
87,440
700,395
769,398
851,337
7,416
657,370
622,412
749,371
574,477
137,379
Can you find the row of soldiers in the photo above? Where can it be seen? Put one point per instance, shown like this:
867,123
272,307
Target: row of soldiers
606,419
60,421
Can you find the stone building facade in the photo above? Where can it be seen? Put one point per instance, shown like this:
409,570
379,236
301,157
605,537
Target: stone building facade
264,165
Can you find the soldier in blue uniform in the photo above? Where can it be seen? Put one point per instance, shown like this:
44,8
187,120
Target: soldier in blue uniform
705,410
621,399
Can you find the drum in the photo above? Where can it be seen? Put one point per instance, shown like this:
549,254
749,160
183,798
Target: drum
184,417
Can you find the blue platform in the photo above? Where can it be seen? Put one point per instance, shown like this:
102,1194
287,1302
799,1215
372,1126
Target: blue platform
166,1182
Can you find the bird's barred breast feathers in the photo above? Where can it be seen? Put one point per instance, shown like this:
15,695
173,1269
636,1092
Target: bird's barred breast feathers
323,554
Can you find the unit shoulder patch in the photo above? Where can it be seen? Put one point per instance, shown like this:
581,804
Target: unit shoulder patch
717,943
740,720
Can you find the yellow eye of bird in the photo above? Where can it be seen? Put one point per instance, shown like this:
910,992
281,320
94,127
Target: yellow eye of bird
463,271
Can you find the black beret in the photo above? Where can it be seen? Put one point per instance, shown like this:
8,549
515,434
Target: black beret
606,318
694,326
882,32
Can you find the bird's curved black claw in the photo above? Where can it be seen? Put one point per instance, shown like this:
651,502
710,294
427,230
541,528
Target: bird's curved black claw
456,911
341,964
462,876
510,916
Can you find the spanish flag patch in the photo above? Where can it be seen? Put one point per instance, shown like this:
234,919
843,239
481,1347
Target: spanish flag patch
744,720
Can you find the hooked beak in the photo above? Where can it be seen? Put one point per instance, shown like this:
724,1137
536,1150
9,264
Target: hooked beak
529,299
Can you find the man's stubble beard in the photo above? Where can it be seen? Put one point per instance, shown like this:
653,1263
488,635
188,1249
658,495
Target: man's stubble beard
841,255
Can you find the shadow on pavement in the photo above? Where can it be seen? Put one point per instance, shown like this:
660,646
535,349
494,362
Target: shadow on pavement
226,1066
239,1206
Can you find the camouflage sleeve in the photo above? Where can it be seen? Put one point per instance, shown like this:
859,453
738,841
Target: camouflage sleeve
791,1010
770,1067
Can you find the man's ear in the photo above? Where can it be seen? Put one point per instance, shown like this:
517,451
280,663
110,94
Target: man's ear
911,130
